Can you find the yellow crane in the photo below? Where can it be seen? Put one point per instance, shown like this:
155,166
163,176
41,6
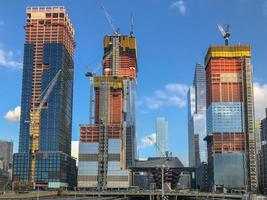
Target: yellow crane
35,125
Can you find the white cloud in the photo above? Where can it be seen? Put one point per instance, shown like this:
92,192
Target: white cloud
153,103
7,60
180,6
142,159
260,94
265,8
173,94
75,150
13,115
184,159
147,141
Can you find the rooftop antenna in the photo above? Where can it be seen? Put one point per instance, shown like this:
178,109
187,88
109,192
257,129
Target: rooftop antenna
132,25
110,21
225,33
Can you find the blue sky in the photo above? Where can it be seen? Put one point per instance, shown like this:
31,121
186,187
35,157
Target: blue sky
171,37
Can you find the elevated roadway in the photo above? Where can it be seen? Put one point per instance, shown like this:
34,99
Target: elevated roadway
147,194
120,195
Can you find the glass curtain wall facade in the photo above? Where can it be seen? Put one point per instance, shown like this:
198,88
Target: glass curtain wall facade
197,118
161,136
191,110
230,118
44,157
197,147
263,156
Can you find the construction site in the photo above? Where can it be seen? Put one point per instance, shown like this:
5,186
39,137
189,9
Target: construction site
230,118
107,144
107,166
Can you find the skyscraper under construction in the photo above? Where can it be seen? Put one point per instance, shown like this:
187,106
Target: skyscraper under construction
107,147
230,118
44,158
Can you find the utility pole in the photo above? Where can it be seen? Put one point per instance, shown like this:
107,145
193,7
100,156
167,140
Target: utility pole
38,194
163,166
162,182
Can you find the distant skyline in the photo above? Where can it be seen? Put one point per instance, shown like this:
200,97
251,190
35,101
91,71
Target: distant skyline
161,136
171,37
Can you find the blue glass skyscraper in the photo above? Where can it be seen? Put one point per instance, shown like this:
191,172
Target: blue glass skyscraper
44,158
161,136
263,156
197,118
197,148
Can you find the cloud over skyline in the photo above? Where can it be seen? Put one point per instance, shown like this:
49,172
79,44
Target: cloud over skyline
7,60
180,6
147,141
173,94
260,94
75,150
13,115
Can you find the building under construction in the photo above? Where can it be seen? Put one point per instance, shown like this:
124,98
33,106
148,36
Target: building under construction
230,118
107,146
44,157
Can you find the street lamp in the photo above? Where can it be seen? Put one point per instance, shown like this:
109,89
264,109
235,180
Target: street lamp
38,194
75,189
163,166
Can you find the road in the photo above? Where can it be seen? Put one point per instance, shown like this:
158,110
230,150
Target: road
115,195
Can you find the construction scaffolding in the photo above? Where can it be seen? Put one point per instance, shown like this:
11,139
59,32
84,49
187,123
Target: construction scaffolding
250,125
115,56
113,131
104,99
230,117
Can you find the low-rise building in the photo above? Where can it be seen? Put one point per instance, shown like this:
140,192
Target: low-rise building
6,157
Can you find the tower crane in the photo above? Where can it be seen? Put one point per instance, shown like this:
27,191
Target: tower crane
110,21
35,124
225,33
91,75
